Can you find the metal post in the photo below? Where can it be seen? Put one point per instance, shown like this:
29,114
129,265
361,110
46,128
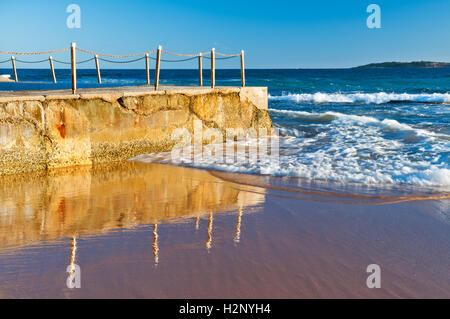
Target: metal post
74,67
147,68
200,69
13,60
52,68
158,64
213,68
242,69
97,66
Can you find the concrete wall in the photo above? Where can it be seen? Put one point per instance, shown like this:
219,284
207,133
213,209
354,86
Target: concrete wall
50,130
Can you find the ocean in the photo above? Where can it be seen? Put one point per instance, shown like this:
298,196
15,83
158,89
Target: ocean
385,126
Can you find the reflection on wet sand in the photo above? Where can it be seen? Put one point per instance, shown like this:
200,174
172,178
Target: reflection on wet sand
237,236
155,244
197,221
92,200
156,231
338,192
72,262
73,253
210,225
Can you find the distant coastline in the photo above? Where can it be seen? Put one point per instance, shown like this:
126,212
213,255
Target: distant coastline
416,64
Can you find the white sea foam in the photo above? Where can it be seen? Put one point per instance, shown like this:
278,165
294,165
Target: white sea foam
376,98
347,148
358,119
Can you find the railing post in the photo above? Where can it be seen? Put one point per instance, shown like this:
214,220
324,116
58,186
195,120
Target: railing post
13,60
147,68
97,66
74,67
213,68
158,65
52,68
200,69
242,69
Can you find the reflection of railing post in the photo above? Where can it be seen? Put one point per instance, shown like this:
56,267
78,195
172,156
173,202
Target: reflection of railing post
242,69
74,67
52,68
99,77
74,279
213,68
197,221
210,227
147,68
237,236
155,244
13,60
200,69
73,251
158,65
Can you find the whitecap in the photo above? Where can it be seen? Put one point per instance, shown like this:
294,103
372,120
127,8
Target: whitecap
375,98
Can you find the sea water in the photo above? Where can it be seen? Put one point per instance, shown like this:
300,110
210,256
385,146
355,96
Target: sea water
370,126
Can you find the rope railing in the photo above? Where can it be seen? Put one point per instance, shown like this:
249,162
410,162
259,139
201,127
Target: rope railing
180,60
187,55
115,56
129,61
224,58
85,61
210,55
33,53
228,55
178,54
61,62
31,62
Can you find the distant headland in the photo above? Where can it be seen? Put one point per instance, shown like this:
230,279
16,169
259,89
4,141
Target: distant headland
416,64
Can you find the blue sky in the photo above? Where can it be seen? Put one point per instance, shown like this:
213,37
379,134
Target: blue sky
274,34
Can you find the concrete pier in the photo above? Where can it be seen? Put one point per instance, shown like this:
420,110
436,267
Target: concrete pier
48,129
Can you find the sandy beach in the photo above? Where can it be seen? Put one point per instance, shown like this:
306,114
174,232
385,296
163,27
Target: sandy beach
159,231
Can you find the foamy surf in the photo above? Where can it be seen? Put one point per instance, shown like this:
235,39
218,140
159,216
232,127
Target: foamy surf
364,149
331,116
345,148
367,98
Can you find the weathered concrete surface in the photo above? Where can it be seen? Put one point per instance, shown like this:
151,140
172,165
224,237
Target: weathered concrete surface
41,130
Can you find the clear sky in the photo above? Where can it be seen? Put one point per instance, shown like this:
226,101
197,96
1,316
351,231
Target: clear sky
273,33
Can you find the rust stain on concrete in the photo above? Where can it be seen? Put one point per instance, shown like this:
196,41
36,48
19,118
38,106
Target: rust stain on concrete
62,130
116,124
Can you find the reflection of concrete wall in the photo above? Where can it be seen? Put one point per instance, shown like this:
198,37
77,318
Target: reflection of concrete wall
39,132
85,200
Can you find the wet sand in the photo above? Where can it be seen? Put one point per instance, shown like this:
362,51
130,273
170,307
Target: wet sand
156,231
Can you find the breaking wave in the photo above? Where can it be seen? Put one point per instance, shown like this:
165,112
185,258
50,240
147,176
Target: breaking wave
368,98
